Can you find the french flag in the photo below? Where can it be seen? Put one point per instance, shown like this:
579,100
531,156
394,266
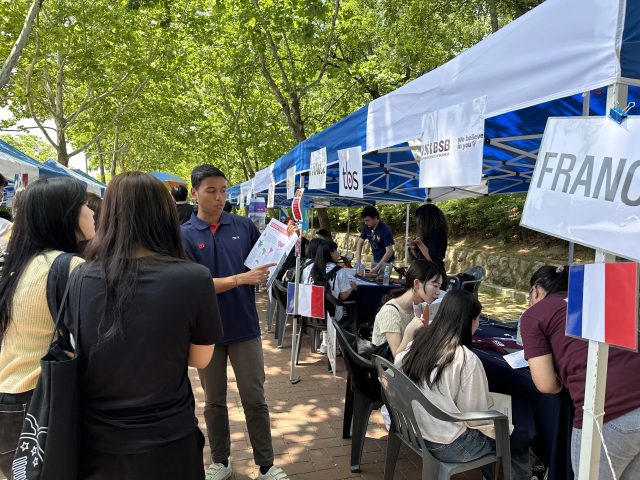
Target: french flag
603,303
310,300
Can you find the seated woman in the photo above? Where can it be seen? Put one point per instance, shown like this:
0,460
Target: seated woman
308,264
399,316
440,362
326,272
556,360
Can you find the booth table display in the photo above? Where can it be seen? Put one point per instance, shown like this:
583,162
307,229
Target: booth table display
544,421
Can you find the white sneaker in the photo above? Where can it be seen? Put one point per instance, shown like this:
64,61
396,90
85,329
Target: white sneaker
217,471
323,348
274,473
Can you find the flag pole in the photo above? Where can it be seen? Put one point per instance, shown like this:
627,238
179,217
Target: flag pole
598,353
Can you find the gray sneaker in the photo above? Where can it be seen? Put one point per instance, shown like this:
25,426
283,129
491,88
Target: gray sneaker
217,471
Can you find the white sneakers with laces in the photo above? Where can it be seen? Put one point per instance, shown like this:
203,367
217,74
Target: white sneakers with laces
217,471
274,473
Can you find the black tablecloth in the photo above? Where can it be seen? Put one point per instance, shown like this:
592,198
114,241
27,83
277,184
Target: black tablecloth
542,421
368,298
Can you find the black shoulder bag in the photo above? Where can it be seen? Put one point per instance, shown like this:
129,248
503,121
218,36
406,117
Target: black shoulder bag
50,439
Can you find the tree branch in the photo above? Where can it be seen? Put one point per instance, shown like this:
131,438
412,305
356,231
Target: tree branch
306,89
16,51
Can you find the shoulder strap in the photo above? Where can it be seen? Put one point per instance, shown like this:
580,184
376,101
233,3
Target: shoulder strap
57,282
389,304
333,272
71,303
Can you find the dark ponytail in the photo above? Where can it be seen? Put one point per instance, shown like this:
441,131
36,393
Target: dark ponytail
422,270
551,279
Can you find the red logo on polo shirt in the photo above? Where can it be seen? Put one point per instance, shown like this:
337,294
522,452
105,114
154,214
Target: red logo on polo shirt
201,245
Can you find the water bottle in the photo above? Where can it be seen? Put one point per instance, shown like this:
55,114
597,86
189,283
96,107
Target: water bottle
518,335
387,274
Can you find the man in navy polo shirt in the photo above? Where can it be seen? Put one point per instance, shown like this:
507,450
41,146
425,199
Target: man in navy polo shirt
222,241
380,238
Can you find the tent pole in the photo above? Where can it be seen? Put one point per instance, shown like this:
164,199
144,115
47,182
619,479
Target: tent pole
406,237
598,353
348,224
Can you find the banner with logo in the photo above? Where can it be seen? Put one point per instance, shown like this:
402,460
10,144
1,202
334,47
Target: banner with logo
272,195
452,144
351,181
318,169
586,184
291,182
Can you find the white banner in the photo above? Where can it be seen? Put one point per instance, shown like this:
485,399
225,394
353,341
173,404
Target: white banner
272,195
291,182
586,184
452,144
351,181
318,169
332,350
241,201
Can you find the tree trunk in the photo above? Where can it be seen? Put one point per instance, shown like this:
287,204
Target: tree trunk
101,162
114,161
16,51
323,220
494,17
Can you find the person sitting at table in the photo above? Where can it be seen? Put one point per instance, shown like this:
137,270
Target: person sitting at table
325,272
557,360
433,233
401,309
440,362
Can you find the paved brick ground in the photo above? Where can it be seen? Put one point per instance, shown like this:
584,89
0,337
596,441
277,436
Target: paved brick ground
306,420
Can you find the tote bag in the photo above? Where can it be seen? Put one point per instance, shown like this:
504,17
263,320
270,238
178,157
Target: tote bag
50,438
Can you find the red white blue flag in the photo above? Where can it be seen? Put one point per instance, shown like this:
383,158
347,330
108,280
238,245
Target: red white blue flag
310,300
603,303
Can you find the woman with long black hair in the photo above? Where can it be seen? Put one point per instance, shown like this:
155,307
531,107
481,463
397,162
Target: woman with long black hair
433,235
146,313
400,314
440,362
53,218
324,271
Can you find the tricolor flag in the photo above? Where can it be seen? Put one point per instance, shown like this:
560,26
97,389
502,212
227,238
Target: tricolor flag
603,303
310,300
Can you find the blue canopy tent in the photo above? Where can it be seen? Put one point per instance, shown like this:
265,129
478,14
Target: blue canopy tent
91,183
94,180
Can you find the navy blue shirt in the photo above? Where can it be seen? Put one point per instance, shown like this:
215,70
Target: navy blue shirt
380,239
224,254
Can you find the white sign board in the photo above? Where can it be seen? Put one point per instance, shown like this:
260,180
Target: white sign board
586,184
332,350
272,195
452,145
351,181
273,246
318,169
241,201
291,182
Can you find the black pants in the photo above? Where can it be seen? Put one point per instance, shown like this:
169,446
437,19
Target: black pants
181,459
13,409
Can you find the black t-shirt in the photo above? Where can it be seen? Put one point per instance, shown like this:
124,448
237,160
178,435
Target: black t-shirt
184,212
436,243
136,394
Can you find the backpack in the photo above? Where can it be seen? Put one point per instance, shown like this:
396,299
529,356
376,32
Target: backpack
363,344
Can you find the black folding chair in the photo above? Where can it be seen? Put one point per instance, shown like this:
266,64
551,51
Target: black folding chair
363,394
401,396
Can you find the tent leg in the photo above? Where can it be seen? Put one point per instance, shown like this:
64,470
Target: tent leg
406,238
348,224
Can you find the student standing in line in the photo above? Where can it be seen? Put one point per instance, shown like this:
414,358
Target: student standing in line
322,234
380,238
53,218
179,194
146,313
558,361
222,242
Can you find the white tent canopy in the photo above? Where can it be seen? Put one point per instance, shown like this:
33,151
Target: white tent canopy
560,48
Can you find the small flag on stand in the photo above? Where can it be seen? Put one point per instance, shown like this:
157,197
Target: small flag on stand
310,300
603,303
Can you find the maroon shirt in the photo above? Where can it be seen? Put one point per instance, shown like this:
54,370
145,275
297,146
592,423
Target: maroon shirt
543,331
